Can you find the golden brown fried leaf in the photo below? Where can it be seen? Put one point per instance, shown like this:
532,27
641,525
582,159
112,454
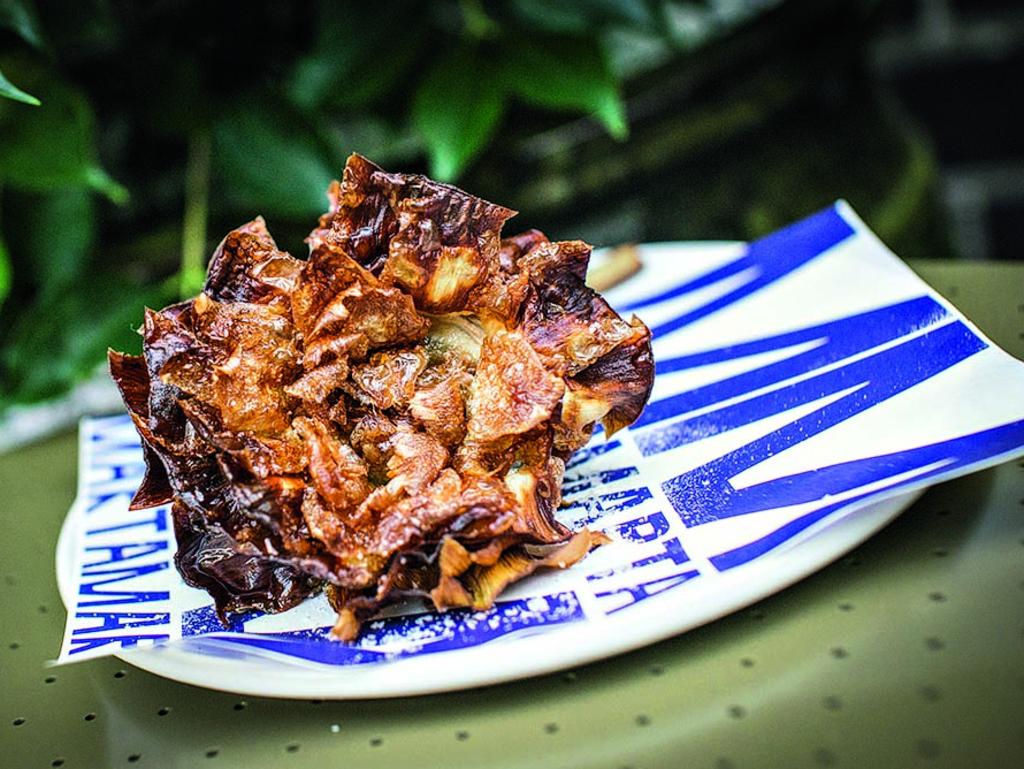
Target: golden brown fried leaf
248,267
337,473
483,584
388,379
512,391
441,409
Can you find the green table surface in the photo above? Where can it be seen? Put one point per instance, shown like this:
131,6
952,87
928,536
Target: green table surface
907,652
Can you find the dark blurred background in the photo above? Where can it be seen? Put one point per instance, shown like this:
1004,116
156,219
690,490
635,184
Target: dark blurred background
133,135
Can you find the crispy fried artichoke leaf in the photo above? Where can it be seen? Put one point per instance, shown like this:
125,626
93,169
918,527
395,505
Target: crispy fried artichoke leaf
248,267
434,241
387,418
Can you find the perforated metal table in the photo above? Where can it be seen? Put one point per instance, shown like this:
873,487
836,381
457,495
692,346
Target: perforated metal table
908,652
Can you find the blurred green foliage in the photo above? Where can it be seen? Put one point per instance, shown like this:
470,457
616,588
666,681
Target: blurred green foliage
134,134
130,129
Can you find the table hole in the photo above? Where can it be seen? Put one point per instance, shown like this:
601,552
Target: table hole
42,609
163,711
49,679
930,693
934,643
14,645
335,728
724,763
940,552
120,674
737,711
292,748
839,652
18,721
57,762
376,742
134,757
657,670
928,749
832,703
212,753
747,662
89,717
937,596
462,736
846,606
241,705
550,728
643,720
316,702
824,757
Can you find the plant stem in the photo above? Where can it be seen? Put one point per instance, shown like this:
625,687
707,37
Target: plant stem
193,225
5,261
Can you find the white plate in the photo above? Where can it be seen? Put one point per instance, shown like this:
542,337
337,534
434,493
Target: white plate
849,275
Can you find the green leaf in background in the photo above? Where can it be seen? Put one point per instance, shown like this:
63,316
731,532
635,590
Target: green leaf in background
11,91
456,110
582,16
54,236
345,67
20,17
53,146
388,144
65,335
268,158
565,73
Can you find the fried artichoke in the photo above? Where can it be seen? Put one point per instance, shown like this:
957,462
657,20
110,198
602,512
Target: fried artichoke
387,418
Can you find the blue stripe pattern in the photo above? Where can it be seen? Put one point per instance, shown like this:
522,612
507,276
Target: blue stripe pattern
423,633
